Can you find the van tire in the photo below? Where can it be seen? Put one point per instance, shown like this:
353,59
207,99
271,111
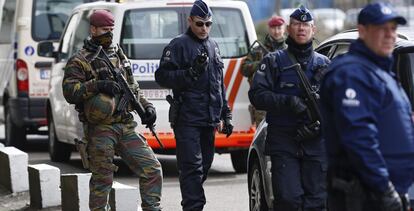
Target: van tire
14,134
58,151
239,160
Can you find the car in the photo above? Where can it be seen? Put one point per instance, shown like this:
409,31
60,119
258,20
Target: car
259,165
144,28
24,74
332,19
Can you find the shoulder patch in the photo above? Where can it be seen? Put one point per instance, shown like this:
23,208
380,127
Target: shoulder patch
350,99
167,55
262,67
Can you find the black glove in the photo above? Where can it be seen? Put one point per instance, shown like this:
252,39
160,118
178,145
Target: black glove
297,105
198,67
108,87
308,132
150,116
227,127
102,69
388,200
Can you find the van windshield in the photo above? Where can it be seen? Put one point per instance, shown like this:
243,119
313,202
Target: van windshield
146,32
50,16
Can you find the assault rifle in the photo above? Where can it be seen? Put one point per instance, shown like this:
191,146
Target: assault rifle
128,95
260,45
310,99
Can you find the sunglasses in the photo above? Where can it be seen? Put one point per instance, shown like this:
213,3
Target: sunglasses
201,23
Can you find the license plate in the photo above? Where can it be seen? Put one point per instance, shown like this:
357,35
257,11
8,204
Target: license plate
156,94
44,74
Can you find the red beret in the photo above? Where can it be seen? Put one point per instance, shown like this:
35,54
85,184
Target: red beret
275,21
100,18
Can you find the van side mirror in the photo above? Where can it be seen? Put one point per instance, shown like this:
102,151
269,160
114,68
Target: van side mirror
45,48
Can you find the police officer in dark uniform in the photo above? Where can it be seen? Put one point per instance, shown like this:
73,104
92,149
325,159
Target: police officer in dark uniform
192,67
298,163
368,120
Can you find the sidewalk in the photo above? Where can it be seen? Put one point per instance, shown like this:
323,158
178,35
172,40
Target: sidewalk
18,201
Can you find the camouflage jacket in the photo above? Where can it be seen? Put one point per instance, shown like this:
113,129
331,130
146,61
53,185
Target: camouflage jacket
79,80
256,54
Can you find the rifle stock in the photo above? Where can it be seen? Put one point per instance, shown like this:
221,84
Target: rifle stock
128,95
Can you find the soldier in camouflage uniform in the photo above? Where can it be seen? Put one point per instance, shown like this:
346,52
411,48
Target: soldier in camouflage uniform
274,40
89,84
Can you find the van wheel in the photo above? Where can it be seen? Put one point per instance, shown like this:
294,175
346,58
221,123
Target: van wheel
257,200
239,160
15,135
58,151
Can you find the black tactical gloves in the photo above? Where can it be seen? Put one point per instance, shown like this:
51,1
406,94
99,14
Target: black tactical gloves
150,115
104,84
199,66
108,87
296,104
388,200
308,132
227,127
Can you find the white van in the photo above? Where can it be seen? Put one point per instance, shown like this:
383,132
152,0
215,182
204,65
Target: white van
143,29
24,75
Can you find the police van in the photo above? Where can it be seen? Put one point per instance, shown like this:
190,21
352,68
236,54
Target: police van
24,75
143,29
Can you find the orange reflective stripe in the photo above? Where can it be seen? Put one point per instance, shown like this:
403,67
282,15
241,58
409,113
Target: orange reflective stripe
235,89
229,72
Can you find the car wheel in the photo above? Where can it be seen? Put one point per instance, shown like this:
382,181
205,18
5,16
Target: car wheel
58,151
257,200
239,160
15,135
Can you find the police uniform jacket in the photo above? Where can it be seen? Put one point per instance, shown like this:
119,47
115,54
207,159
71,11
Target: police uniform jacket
203,101
274,83
368,119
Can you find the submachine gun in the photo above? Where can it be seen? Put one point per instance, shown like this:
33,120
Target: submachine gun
312,129
128,95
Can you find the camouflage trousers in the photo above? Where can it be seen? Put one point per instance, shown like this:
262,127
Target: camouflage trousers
256,115
106,140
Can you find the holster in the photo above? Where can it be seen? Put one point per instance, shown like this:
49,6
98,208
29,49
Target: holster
81,146
354,192
175,105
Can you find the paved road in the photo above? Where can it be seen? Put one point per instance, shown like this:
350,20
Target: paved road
225,190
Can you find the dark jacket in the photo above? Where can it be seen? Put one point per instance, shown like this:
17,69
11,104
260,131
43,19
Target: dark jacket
203,101
274,84
368,119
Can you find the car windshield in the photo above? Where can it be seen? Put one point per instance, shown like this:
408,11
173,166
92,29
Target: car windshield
50,16
146,32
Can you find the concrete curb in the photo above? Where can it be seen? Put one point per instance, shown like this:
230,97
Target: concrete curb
13,164
49,189
75,191
123,197
44,183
